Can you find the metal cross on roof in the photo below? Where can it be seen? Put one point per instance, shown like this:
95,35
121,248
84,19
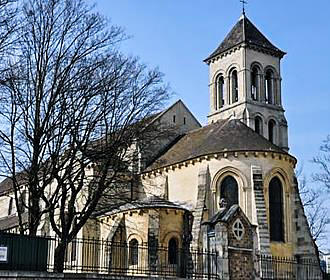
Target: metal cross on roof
243,5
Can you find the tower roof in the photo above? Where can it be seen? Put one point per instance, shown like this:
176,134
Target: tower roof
246,32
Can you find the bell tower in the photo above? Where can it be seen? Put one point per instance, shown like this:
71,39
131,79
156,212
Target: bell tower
245,82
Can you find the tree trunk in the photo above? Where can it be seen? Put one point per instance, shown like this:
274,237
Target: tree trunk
59,257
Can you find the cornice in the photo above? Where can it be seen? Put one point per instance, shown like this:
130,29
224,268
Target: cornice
222,155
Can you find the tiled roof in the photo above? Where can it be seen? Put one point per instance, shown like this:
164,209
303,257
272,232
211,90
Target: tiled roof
10,222
7,184
245,32
221,136
149,202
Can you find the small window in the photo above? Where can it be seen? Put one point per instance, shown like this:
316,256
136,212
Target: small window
220,92
269,86
255,83
184,120
234,86
10,206
133,252
258,125
271,131
172,251
22,202
238,229
173,118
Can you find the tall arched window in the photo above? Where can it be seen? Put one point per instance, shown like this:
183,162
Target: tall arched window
258,125
229,190
271,131
220,92
255,83
10,206
269,86
133,252
276,225
234,85
173,251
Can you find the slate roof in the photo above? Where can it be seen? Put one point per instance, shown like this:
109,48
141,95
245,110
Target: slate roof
221,136
7,184
223,215
245,32
10,222
149,202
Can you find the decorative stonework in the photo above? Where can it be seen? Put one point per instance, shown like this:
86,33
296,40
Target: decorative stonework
238,229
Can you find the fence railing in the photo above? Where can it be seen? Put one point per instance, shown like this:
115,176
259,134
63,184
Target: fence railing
105,257
289,268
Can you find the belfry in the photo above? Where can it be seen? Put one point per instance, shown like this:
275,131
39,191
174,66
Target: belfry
245,82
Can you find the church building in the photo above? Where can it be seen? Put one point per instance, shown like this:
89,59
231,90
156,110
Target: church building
240,157
236,171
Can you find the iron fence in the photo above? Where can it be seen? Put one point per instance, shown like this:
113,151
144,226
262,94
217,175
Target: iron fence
105,257
289,268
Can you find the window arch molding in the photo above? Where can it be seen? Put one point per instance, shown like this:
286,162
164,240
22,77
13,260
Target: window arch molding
217,74
262,122
286,183
241,180
233,66
172,234
135,236
259,65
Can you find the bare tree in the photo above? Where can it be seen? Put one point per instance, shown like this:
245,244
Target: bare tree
323,161
313,201
74,108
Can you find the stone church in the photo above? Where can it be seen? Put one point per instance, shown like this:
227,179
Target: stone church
236,170
240,157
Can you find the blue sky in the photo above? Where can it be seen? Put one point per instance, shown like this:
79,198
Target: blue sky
177,35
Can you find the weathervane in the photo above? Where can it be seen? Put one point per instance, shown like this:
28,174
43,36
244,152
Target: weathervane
243,5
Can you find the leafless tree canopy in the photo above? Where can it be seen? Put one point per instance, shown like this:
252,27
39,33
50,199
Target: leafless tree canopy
323,161
70,100
316,212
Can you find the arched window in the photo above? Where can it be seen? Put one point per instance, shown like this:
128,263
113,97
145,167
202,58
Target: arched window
173,251
276,225
133,252
10,206
22,202
271,131
229,190
258,125
220,92
255,83
269,86
234,85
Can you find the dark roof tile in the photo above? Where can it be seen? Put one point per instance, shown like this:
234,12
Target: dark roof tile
221,136
245,32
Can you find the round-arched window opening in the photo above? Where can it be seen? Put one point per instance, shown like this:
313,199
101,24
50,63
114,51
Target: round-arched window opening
258,125
269,86
133,252
229,190
220,92
173,251
276,221
234,85
271,131
255,83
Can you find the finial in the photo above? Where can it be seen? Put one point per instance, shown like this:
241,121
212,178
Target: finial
243,5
